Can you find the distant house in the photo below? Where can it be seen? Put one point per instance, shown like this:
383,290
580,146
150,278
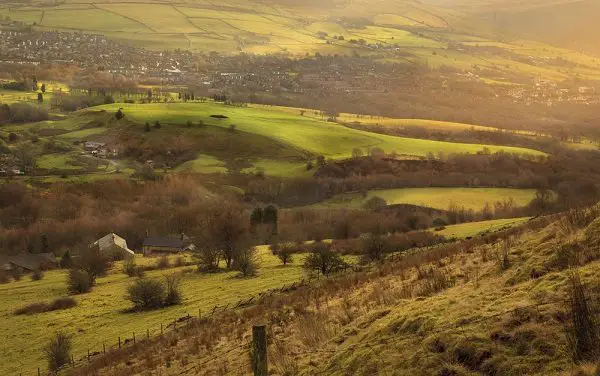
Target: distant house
26,261
165,244
94,146
113,246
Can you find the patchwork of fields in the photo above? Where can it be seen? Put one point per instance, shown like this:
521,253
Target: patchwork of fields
423,34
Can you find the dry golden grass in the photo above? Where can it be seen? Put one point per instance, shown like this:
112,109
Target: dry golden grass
448,310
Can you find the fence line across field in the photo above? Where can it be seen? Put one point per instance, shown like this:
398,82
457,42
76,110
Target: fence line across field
122,341
242,303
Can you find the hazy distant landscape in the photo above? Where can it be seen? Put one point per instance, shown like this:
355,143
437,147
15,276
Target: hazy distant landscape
382,186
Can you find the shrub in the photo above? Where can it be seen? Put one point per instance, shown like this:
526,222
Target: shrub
173,290
285,255
179,261
79,281
146,294
57,304
246,262
94,263
131,269
375,203
37,275
208,259
62,303
373,247
582,333
163,263
58,351
323,260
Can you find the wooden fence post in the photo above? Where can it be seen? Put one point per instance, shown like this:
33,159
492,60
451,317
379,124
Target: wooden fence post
259,350
88,355
161,329
148,334
104,348
119,342
38,371
72,360
134,338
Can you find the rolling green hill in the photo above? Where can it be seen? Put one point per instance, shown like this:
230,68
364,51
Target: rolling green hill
314,136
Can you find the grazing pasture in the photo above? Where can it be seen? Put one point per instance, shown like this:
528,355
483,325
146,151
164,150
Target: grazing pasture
100,318
314,136
437,198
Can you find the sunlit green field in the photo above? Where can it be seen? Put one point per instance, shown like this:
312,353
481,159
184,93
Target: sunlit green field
465,230
358,120
203,164
312,135
99,317
58,161
437,198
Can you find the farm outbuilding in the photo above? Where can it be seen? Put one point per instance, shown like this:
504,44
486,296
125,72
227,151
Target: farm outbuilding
29,262
113,246
166,244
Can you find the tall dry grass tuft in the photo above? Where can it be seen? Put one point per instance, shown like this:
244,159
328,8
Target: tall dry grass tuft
582,332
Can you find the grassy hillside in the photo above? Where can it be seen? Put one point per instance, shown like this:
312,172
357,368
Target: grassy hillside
303,133
573,22
359,119
99,317
452,310
438,198
465,230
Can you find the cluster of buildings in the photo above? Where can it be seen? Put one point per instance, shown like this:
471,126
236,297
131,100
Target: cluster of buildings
10,165
92,50
110,245
549,92
100,149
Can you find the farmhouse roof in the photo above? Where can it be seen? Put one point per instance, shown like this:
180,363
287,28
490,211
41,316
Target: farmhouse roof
110,240
161,241
32,261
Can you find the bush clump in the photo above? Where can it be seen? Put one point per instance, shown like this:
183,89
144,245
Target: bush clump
79,281
246,262
322,259
131,269
174,296
146,294
58,351
57,304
